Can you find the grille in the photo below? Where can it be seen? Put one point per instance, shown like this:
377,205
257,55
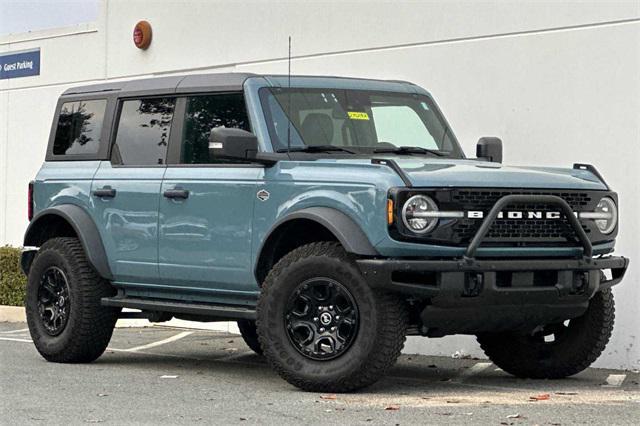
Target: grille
484,200
521,231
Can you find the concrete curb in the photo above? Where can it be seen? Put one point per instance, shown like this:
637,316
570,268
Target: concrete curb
12,314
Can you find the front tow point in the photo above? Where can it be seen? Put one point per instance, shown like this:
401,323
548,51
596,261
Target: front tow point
473,284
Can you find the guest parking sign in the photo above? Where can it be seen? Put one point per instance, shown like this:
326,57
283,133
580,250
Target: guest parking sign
25,63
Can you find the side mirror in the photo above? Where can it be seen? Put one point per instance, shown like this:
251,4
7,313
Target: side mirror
490,149
232,143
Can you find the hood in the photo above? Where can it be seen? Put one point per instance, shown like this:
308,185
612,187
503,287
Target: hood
443,173
472,173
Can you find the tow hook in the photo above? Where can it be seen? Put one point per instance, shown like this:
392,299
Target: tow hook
473,285
580,282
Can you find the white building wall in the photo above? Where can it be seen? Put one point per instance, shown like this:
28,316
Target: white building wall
559,82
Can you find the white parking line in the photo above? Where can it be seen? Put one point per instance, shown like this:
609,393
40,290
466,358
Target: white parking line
158,343
14,331
13,339
135,349
615,380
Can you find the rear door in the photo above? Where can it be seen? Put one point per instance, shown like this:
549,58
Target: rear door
126,189
205,232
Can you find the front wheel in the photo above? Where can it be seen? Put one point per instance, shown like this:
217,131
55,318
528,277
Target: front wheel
322,327
555,351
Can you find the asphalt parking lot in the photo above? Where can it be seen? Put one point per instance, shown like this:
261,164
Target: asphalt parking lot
166,375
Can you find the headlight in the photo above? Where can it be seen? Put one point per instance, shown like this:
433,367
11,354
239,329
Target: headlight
607,215
419,214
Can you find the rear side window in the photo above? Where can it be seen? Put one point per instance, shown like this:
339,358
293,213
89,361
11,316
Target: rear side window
79,127
203,114
143,131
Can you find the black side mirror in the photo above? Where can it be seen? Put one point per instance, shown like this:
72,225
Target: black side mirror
232,143
490,149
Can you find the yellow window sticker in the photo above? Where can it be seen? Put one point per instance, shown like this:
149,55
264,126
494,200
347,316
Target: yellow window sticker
358,115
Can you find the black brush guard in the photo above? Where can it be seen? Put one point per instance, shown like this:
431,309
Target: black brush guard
471,295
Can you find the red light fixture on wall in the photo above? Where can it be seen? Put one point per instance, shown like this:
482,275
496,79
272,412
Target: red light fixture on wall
142,35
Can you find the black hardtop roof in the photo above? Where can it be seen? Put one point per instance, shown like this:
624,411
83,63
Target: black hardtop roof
177,84
189,83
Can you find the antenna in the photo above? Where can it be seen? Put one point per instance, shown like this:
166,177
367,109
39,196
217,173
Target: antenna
289,101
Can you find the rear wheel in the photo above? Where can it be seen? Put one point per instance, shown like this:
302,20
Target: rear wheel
556,350
322,327
66,320
250,335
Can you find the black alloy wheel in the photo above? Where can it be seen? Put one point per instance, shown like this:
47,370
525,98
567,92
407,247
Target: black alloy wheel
321,318
54,303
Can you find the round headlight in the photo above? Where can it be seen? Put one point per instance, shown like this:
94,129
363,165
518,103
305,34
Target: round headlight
418,214
609,213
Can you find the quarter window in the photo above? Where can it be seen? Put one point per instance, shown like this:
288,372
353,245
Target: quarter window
202,115
143,131
79,127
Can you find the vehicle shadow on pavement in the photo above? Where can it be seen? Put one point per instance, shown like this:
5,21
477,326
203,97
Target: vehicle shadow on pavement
157,375
207,353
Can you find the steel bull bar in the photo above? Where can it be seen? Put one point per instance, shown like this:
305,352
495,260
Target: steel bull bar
516,281
540,199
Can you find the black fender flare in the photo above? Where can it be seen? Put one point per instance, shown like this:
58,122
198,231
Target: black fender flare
85,229
346,231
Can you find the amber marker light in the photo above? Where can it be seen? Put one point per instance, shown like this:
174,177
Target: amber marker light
389,211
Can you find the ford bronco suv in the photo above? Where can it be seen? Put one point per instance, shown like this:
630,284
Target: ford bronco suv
330,217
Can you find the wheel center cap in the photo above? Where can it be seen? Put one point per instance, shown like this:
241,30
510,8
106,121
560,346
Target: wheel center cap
326,318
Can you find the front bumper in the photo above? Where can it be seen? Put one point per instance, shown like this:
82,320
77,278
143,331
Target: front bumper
471,295
431,278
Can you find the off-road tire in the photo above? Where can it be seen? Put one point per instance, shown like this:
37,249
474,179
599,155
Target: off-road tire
379,340
250,335
587,337
89,326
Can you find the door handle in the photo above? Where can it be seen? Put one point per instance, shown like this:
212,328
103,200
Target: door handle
176,193
105,192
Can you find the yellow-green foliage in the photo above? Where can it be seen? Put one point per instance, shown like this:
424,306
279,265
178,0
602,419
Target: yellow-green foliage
12,280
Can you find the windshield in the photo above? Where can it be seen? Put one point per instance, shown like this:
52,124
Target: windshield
356,121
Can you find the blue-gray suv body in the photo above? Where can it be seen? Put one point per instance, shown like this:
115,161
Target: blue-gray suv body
330,217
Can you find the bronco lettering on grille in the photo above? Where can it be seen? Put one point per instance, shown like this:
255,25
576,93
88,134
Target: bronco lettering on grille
476,214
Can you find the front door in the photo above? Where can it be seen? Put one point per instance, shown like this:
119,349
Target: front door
206,208
126,190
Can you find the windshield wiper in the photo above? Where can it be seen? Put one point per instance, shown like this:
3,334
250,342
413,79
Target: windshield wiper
406,150
316,148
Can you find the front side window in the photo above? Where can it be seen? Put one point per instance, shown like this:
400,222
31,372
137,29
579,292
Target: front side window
143,131
79,127
204,113
359,121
